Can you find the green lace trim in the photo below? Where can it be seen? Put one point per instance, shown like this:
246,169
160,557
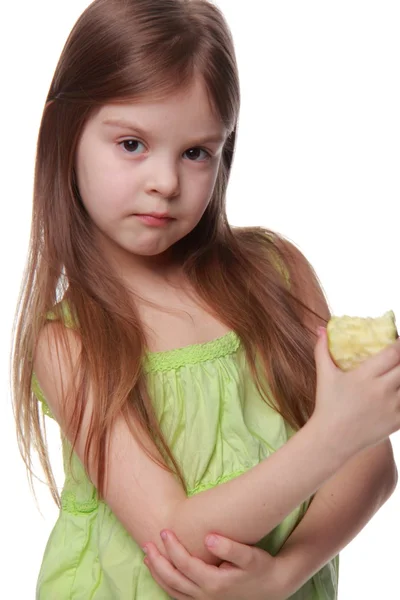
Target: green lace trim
201,487
70,504
170,360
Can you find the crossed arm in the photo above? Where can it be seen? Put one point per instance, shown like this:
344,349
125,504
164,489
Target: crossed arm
347,501
340,510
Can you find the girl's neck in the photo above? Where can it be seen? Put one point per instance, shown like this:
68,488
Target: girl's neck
142,272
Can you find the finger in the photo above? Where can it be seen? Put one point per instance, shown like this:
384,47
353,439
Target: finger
383,362
167,572
240,555
170,591
392,379
192,567
323,359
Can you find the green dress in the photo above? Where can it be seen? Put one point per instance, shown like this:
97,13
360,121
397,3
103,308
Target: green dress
218,427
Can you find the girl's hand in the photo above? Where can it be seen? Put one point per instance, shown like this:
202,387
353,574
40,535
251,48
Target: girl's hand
358,408
246,573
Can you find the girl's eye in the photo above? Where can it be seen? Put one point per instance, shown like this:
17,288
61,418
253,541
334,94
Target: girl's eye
194,154
130,145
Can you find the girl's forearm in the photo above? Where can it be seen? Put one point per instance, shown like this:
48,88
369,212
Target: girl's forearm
250,506
339,511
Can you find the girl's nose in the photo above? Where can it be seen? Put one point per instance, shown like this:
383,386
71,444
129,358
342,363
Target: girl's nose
163,179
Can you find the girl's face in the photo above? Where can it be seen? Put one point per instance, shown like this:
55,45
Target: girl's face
149,158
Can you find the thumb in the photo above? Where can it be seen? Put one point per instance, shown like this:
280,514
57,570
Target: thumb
240,555
322,355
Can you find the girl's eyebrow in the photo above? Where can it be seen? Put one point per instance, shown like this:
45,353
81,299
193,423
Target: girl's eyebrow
114,122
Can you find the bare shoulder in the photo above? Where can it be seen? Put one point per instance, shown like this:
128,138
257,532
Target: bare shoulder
56,356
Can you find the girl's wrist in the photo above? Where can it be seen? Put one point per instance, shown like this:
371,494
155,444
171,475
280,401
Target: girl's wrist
336,452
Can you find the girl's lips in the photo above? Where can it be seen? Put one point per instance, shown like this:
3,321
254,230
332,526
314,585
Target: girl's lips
154,221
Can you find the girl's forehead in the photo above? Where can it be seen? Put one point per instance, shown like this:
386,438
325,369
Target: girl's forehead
190,100
194,101
194,112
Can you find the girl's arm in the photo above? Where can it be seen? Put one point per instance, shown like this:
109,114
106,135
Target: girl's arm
146,498
343,505
340,510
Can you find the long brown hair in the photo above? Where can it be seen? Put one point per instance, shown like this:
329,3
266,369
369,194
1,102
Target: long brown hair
117,51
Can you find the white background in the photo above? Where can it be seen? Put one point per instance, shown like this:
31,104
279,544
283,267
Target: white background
317,159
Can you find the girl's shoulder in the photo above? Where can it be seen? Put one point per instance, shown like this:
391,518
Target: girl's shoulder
300,278
61,312
267,244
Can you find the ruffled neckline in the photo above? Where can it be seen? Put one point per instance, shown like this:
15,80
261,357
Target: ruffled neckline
167,360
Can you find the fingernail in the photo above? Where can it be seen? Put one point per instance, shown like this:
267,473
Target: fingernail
211,540
164,535
321,331
144,549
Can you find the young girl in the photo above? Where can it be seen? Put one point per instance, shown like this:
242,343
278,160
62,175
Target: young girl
175,351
